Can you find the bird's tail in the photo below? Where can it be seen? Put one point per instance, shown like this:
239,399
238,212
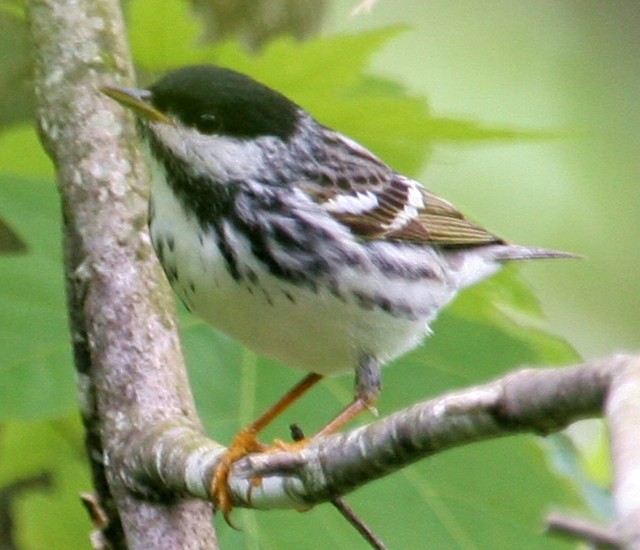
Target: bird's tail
473,265
508,252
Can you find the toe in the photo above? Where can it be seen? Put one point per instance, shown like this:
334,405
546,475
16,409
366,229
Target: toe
242,444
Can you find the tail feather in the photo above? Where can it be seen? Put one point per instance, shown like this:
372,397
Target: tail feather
474,264
508,252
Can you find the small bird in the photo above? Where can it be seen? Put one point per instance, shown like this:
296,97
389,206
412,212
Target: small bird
294,239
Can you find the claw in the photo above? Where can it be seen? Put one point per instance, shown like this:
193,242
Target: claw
241,445
220,492
245,442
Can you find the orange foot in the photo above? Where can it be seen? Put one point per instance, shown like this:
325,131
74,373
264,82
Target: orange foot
243,443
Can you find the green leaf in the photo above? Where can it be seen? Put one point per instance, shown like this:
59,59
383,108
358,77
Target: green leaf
13,8
162,34
22,155
507,302
301,70
52,517
37,379
569,462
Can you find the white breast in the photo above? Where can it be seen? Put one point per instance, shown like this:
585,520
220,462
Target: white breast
310,330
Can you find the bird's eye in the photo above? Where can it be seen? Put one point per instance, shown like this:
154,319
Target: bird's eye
208,123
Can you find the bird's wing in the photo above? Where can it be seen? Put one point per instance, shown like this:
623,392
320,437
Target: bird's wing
375,202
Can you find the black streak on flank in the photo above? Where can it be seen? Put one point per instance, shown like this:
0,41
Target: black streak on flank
171,270
413,272
159,247
227,253
399,309
214,204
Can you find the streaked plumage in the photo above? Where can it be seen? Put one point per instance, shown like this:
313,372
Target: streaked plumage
294,239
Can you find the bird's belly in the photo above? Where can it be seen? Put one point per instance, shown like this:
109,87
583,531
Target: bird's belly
319,327
309,329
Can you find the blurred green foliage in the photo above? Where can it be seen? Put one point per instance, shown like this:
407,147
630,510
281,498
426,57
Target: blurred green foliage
572,68
549,192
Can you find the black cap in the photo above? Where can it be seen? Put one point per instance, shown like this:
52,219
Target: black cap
221,101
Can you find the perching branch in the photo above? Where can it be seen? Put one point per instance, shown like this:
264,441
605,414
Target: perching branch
623,414
538,401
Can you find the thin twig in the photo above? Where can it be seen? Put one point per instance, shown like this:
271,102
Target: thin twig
345,510
349,514
577,528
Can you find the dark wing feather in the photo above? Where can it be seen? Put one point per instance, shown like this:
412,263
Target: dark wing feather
375,202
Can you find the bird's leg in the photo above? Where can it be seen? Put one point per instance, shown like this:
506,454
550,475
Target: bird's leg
368,384
367,389
246,442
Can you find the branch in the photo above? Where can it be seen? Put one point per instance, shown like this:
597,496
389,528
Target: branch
530,400
623,414
579,529
130,371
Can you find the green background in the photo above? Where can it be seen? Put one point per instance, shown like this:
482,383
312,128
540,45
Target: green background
522,114
572,66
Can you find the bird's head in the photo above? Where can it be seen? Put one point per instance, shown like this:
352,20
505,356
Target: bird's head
212,101
211,118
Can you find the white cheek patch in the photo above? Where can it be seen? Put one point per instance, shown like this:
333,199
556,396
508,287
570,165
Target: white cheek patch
216,156
352,204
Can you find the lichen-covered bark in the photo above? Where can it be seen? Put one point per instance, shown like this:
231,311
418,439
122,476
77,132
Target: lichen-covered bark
130,371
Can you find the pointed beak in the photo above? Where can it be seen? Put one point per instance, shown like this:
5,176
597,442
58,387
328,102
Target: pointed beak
139,101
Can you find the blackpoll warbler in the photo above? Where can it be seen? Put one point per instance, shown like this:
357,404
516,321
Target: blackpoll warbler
294,239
